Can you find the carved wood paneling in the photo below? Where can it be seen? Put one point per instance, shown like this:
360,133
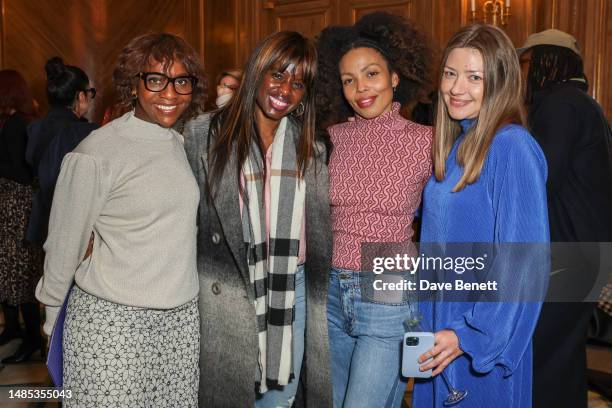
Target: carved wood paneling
221,39
440,19
91,33
359,8
309,24
590,22
194,29
519,24
88,34
592,40
306,17
250,31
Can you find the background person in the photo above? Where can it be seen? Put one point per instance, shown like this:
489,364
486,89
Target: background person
70,95
227,84
19,262
131,334
575,137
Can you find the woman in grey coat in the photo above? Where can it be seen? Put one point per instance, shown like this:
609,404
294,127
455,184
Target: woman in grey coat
264,239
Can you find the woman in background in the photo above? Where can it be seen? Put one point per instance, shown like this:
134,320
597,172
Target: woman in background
378,167
227,85
19,262
70,97
488,187
131,334
264,239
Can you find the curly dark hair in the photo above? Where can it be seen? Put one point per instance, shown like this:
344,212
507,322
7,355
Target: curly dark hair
405,48
165,48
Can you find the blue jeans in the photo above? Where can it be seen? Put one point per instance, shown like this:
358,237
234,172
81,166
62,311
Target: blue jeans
365,345
283,397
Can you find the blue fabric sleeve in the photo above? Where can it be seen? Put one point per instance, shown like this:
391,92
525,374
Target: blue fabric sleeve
499,332
517,187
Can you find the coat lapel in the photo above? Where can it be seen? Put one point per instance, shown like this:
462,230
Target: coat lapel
228,210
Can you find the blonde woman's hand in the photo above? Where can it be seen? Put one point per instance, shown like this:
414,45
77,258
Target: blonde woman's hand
444,351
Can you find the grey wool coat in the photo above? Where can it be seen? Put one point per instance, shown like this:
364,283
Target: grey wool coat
229,347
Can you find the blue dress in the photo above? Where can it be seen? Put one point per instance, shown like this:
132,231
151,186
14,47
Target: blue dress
506,204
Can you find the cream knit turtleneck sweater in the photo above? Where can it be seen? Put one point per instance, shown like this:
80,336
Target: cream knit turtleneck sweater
130,183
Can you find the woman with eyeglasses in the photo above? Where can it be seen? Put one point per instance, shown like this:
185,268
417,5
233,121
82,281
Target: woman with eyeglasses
264,234
70,97
123,227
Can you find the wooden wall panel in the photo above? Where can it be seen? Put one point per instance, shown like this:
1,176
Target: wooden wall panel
88,34
221,39
306,17
308,21
358,8
439,20
592,40
308,24
249,17
590,22
519,24
91,33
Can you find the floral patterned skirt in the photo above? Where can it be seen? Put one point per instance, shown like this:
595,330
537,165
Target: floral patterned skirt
20,263
125,356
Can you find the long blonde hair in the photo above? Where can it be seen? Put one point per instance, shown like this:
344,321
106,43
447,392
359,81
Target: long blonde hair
502,102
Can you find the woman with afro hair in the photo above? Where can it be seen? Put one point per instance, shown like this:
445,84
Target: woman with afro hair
378,167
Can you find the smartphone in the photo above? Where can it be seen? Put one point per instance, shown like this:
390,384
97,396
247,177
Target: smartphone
415,344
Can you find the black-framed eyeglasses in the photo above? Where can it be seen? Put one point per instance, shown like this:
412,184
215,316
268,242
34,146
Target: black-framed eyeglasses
157,82
91,92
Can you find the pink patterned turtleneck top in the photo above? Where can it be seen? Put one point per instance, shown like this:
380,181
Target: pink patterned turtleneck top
377,171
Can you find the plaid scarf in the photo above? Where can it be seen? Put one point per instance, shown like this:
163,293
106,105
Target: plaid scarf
272,264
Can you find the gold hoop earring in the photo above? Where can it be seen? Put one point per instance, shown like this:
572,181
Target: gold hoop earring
299,111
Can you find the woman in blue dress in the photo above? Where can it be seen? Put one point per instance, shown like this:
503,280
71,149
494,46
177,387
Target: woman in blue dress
488,187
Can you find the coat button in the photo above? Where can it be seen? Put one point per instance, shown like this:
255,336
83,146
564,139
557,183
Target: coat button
216,289
216,238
